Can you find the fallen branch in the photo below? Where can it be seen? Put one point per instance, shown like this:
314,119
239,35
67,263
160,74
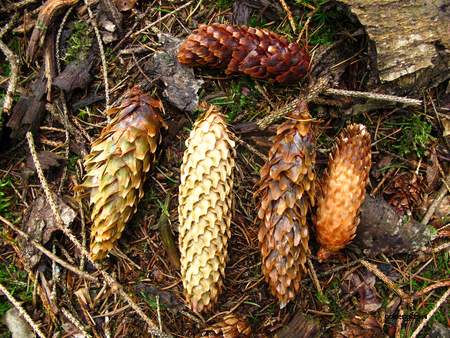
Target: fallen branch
48,253
374,96
424,291
318,88
114,285
22,311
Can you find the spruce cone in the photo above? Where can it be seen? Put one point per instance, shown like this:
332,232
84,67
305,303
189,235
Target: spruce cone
116,167
205,209
287,193
256,52
231,326
343,190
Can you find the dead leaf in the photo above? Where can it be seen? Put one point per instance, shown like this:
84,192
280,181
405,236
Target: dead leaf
241,13
18,326
367,327
300,326
433,170
363,282
125,5
75,76
39,224
166,299
47,159
181,85
29,110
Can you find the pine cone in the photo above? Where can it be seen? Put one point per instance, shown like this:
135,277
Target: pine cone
256,52
287,193
116,167
231,326
205,209
343,189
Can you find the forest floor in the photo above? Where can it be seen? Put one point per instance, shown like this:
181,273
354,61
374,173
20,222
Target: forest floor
349,295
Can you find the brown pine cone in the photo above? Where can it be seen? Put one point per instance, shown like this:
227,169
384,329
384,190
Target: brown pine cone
256,52
205,209
287,193
343,188
231,326
117,165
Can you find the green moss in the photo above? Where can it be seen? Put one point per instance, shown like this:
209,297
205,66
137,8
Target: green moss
224,4
323,24
415,135
15,281
6,198
241,97
79,42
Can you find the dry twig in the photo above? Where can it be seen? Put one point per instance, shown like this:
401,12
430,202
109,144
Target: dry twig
161,19
289,15
319,88
14,64
440,196
424,291
390,284
22,311
102,54
153,329
374,96
48,253
431,313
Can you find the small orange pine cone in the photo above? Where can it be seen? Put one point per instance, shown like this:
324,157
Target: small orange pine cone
256,52
117,165
231,326
343,189
287,193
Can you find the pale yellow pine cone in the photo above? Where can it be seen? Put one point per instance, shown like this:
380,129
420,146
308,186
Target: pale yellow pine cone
343,190
117,165
205,209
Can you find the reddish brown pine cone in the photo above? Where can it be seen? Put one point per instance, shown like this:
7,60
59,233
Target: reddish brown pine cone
256,52
287,194
343,190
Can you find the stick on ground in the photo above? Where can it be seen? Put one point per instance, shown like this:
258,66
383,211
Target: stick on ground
22,311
